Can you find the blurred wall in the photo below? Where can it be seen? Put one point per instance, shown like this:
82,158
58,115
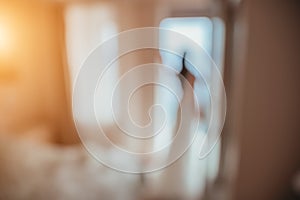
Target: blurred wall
265,96
32,77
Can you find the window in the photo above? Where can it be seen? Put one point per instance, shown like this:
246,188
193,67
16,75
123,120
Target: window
209,33
86,27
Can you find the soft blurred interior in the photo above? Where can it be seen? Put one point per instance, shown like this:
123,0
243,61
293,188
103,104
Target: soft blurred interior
43,44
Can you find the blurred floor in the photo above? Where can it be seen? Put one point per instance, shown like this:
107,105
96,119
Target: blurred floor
33,170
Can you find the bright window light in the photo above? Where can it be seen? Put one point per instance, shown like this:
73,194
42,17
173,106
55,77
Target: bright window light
86,27
209,34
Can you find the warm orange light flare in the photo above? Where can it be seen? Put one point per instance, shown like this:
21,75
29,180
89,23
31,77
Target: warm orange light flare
5,42
3,38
